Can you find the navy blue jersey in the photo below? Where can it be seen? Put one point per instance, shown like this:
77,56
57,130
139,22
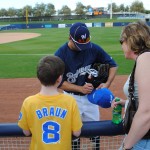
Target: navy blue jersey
78,62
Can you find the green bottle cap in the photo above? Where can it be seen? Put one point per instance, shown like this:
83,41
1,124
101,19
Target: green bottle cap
117,99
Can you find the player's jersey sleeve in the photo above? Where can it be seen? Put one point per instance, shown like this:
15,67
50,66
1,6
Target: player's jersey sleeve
22,121
102,57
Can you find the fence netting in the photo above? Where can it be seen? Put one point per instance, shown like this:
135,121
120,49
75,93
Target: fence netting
106,143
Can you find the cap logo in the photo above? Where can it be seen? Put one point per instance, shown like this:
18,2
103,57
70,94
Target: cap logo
83,36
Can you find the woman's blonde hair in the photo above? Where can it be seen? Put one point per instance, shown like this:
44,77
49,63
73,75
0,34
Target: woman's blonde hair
137,36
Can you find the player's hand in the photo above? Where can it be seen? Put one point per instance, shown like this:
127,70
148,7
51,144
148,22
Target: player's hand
87,88
103,85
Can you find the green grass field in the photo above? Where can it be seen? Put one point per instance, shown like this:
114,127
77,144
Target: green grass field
19,59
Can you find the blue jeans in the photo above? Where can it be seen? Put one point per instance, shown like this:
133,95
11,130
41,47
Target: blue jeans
142,145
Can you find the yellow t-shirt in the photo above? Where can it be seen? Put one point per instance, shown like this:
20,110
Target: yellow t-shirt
51,120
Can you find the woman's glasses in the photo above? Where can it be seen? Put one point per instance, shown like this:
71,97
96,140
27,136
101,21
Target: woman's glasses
121,41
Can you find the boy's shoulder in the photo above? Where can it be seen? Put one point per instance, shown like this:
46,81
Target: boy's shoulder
62,95
30,98
66,96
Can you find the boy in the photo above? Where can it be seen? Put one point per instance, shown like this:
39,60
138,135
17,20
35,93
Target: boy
49,116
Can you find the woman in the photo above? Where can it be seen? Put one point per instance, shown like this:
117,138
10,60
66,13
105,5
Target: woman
135,42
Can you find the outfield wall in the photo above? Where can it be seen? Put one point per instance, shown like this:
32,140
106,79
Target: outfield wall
47,25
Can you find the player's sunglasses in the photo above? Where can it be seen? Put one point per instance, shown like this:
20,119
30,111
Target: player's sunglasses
82,41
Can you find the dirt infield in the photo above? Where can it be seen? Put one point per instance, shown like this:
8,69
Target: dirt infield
14,91
12,37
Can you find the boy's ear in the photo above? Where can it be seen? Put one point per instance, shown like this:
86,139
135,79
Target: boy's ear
59,79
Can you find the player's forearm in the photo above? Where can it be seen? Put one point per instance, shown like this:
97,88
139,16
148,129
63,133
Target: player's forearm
70,87
112,73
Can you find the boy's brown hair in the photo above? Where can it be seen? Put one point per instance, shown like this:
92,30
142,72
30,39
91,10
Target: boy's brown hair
49,69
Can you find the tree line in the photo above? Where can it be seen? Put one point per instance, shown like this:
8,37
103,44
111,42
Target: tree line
42,9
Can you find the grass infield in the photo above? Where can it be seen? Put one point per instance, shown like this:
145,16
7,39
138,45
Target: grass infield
19,59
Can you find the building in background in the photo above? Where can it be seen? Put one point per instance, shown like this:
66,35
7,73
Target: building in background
99,11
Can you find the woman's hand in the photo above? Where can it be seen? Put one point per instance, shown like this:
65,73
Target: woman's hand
121,102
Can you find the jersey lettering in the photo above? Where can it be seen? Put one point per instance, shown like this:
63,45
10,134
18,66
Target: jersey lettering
71,77
63,114
81,71
58,112
52,111
39,114
45,112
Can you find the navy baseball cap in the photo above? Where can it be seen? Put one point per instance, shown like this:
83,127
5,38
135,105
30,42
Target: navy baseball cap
80,35
102,97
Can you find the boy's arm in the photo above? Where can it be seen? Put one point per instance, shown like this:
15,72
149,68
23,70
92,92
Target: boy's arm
77,122
27,132
22,122
77,133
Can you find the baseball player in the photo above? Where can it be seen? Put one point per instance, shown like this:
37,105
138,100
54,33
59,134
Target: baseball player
49,116
79,54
